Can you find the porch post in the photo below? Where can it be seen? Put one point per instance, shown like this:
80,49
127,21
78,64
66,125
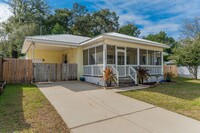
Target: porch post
104,60
125,63
104,56
138,56
162,72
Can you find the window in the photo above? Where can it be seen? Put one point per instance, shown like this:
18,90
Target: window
151,59
85,57
92,56
99,54
158,57
143,57
131,56
110,54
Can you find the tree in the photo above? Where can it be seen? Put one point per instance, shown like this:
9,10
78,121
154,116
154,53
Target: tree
162,37
188,54
130,29
58,29
191,28
104,21
60,17
26,14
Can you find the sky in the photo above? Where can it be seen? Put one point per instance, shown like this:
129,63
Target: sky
151,16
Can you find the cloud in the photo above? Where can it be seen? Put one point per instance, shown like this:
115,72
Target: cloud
152,16
5,12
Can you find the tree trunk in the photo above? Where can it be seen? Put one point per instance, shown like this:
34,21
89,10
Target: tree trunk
193,71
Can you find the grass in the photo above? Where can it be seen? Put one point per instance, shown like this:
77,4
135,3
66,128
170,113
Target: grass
23,108
182,97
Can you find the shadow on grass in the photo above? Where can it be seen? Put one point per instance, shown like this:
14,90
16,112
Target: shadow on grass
11,109
184,88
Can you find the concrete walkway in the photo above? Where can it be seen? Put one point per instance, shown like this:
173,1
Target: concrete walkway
89,109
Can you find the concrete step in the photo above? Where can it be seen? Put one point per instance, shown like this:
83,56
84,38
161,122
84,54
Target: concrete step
126,82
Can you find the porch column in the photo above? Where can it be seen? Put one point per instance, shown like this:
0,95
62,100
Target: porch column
104,60
125,63
138,56
162,72
104,56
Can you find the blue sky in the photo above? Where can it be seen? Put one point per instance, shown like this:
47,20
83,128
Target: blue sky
151,16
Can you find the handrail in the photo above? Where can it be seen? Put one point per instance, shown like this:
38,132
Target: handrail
135,74
117,74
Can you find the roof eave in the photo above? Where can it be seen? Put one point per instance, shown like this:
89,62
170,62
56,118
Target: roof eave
136,41
46,42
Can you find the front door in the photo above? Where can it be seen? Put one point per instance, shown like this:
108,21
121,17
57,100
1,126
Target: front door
121,68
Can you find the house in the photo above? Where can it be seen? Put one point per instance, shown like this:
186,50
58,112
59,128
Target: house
120,52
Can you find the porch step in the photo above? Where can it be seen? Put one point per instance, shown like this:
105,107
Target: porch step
126,82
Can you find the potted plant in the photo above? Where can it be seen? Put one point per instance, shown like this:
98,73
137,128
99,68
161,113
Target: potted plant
109,76
168,76
142,74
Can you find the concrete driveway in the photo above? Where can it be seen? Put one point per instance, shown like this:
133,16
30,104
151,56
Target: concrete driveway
89,109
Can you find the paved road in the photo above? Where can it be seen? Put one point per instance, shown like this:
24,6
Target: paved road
89,109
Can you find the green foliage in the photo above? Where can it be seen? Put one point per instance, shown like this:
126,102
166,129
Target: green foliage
130,29
27,19
162,37
188,54
33,17
142,74
58,29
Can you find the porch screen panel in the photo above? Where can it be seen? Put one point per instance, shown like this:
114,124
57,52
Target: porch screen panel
131,56
151,59
158,57
99,55
92,56
85,57
110,54
143,57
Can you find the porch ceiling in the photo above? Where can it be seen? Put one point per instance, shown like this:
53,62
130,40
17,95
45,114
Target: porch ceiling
45,46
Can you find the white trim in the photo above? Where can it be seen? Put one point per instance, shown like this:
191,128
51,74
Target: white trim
138,56
125,63
139,41
93,45
147,52
104,56
162,71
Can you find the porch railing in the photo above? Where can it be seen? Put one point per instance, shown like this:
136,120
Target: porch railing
154,70
93,70
133,74
123,70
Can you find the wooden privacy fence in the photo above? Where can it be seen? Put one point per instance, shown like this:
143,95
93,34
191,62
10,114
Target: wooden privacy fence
17,70
171,68
54,72
24,71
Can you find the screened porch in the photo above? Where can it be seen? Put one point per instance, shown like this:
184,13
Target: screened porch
121,59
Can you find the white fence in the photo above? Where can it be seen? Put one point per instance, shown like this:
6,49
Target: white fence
184,72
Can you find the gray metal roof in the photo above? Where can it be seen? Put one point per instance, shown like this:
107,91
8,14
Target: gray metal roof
66,38
138,40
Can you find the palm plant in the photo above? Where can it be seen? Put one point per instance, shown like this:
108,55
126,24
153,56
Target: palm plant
109,76
142,74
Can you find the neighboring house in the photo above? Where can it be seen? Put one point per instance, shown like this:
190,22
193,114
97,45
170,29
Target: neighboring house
120,52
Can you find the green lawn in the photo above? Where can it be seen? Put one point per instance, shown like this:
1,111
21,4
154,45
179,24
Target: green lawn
23,108
182,97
